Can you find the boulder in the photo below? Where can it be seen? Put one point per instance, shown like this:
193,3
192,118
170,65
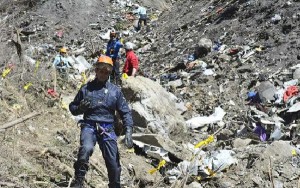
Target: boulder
296,74
207,43
266,91
153,108
239,143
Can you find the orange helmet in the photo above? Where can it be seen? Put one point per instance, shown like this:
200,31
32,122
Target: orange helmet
105,59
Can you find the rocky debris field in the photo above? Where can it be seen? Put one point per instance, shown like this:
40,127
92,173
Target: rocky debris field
215,103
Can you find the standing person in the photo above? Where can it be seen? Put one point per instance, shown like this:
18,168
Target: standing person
132,62
60,61
61,64
97,101
112,50
142,12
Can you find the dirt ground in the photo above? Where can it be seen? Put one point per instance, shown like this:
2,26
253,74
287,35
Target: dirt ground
40,151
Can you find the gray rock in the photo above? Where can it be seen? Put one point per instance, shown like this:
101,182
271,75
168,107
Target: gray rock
207,43
245,68
225,57
153,107
238,143
194,185
257,180
296,74
278,184
162,142
266,91
181,107
225,134
175,83
279,149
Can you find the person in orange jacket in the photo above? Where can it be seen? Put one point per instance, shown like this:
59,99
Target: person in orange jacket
131,65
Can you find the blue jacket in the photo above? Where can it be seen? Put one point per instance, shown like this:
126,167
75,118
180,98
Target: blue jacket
105,100
113,48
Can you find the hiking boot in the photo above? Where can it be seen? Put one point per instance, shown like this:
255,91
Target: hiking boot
78,183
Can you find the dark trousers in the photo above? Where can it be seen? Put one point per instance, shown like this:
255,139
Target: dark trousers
116,74
141,20
109,149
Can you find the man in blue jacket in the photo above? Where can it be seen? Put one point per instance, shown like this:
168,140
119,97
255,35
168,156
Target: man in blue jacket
97,101
112,50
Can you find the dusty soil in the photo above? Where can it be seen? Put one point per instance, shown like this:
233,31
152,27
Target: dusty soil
40,151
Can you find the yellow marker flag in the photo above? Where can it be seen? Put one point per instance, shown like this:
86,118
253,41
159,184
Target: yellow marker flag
258,49
37,64
209,140
161,164
63,105
130,150
26,87
124,76
210,172
122,40
84,79
294,152
17,107
5,72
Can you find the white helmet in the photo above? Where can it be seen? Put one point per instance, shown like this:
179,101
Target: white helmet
136,5
129,46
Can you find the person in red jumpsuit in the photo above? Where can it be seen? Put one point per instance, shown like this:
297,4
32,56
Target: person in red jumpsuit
131,65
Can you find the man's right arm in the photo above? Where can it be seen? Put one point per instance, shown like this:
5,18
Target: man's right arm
56,61
124,110
107,53
136,11
74,105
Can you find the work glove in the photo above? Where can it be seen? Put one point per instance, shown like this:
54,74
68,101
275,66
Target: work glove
84,105
128,137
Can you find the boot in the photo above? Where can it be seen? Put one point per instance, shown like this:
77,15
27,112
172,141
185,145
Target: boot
80,170
78,183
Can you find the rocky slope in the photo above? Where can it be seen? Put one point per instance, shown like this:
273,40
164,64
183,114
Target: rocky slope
247,43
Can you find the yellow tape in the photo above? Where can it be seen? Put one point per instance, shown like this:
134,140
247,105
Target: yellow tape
17,107
210,172
5,72
84,79
259,49
153,17
130,150
209,140
161,164
63,105
124,76
122,40
37,65
26,87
